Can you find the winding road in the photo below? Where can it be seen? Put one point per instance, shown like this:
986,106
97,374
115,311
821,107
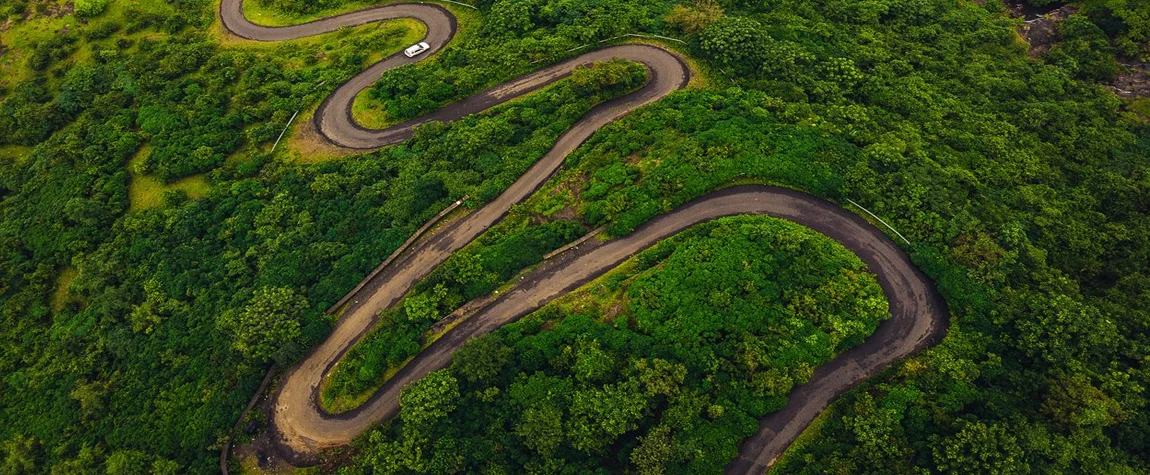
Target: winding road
301,427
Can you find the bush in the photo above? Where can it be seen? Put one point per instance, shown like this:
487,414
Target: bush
90,8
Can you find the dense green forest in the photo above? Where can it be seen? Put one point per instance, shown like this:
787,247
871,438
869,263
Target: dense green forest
132,339
474,272
1022,184
170,315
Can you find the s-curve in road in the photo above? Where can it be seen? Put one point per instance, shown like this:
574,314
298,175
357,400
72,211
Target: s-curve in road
333,119
301,427
918,314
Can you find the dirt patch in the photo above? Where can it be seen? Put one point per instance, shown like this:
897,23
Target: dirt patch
621,306
573,184
568,213
308,146
263,454
48,10
259,455
64,9
58,10
576,183
1042,33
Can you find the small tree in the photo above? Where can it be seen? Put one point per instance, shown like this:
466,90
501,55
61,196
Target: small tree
425,402
267,323
482,358
541,429
90,8
696,17
980,448
655,451
734,42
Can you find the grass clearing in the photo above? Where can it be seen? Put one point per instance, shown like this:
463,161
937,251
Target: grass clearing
146,191
304,144
63,283
338,404
370,112
21,37
270,16
15,153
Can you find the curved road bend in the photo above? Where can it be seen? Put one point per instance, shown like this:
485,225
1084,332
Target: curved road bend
918,313
334,121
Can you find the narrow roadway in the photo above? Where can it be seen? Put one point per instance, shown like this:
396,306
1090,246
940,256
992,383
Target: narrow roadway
918,315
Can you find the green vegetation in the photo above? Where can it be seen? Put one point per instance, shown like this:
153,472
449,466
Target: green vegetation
1124,22
661,365
513,39
471,273
481,268
259,329
1022,188
146,191
155,352
90,8
297,11
63,284
291,12
1020,182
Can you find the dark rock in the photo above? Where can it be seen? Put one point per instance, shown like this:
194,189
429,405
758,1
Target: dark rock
1041,33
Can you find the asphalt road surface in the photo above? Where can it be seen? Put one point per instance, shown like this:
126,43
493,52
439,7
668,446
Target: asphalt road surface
301,427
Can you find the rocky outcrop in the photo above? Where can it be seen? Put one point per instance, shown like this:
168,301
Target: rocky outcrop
1041,33
1133,81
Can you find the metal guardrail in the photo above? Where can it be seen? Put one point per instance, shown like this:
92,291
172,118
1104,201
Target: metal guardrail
227,447
613,38
292,119
395,254
875,216
637,35
575,244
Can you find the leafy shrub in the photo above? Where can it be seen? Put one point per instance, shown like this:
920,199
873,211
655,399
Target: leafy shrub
269,322
90,8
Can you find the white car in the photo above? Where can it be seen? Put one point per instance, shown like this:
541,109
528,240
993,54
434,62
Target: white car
414,50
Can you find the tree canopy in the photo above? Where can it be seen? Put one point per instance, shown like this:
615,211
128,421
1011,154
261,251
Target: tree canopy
130,340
